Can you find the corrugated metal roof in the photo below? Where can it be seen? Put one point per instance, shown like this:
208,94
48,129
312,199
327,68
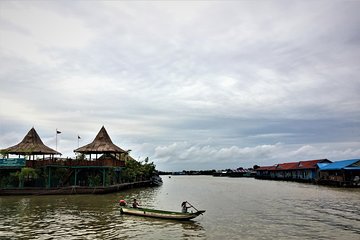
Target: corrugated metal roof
309,164
266,168
287,166
321,165
338,165
352,168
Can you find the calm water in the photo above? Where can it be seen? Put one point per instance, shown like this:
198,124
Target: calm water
236,208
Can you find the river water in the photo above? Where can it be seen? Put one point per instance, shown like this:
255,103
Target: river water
236,208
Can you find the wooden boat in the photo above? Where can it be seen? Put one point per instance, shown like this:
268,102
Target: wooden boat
156,180
146,212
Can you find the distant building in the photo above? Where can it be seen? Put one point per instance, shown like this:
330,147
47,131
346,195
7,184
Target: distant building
239,172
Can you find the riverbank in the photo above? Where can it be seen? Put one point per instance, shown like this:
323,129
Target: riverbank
73,189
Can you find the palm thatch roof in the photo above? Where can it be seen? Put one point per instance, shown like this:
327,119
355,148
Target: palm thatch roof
101,144
31,145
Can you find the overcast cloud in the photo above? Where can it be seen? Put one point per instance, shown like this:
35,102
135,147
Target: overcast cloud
192,85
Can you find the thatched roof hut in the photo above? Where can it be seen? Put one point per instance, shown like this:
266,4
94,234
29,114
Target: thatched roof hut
31,145
101,144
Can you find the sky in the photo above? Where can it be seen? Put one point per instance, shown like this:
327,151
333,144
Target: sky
193,85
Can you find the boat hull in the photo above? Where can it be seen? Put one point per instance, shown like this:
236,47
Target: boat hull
145,212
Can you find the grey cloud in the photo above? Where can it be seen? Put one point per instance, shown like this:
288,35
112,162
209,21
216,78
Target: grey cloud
245,75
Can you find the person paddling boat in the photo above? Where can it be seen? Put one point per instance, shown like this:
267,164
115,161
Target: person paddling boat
146,212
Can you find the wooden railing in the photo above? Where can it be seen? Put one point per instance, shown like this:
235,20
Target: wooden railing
75,163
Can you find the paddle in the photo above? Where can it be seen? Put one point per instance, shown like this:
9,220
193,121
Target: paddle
192,206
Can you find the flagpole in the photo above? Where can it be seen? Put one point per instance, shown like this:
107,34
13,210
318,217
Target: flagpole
56,138
56,132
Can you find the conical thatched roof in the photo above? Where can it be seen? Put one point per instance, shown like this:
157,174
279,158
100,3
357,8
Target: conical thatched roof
31,145
101,144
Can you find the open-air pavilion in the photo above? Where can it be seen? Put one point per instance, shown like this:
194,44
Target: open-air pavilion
30,151
102,145
108,158
31,146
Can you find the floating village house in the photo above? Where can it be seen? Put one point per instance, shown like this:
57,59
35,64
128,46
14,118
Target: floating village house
340,173
306,171
98,164
322,171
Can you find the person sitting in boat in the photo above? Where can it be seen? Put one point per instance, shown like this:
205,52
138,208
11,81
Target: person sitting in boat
184,207
122,202
135,204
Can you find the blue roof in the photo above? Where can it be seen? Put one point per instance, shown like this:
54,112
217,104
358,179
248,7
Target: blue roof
321,165
344,164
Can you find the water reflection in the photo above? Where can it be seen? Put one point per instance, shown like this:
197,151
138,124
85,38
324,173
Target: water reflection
149,228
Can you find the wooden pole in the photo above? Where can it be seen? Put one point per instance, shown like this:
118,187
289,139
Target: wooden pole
104,176
76,172
49,178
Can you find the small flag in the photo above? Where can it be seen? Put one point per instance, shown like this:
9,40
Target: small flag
79,137
58,132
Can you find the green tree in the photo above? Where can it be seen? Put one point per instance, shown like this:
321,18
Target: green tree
26,174
136,170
